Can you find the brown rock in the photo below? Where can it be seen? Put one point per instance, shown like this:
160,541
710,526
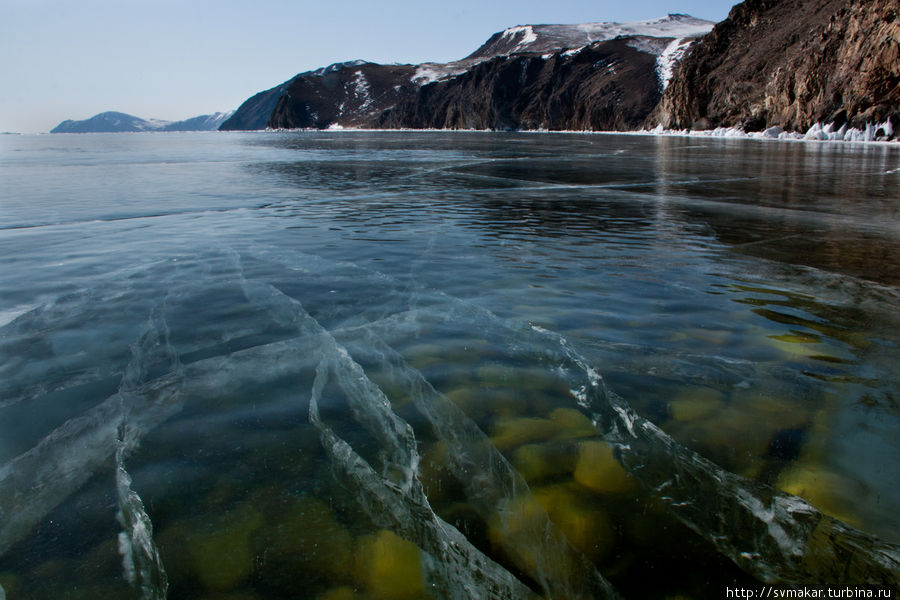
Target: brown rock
791,63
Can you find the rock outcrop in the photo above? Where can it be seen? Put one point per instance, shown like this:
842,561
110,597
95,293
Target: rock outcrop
791,64
345,94
604,86
587,76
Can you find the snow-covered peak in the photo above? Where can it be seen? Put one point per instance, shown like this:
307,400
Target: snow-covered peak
334,67
548,38
671,26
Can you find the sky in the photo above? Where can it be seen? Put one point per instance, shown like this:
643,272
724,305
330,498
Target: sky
175,59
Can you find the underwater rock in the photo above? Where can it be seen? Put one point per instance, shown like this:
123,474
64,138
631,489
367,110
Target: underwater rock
232,596
820,487
306,541
536,462
599,471
561,424
515,431
341,593
389,567
584,522
695,402
9,584
221,554
572,424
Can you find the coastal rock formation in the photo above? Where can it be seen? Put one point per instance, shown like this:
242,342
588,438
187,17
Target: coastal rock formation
791,64
347,94
112,122
606,85
587,76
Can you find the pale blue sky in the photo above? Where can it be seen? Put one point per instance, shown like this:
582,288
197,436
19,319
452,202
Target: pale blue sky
174,59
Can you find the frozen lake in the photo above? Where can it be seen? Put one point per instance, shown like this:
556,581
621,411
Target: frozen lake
446,365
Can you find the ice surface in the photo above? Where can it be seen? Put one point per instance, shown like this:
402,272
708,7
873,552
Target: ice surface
141,561
493,486
818,132
35,482
788,541
774,536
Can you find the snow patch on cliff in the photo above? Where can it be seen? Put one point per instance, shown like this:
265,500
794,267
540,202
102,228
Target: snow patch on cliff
670,57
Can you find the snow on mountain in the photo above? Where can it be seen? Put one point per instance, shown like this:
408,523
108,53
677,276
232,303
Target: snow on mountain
653,36
114,122
671,56
544,38
619,63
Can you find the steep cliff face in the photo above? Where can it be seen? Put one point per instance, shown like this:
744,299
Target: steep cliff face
606,85
347,94
791,63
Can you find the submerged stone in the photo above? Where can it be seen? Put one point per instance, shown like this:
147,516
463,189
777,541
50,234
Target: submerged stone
537,462
515,431
599,471
304,541
519,531
9,582
771,411
389,567
695,403
572,424
561,424
221,555
582,520
241,595
340,593
829,492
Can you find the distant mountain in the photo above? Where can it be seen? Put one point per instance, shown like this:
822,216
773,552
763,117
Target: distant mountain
110,122
588,76
792,64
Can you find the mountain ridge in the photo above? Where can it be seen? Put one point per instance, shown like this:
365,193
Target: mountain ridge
364,94
119,122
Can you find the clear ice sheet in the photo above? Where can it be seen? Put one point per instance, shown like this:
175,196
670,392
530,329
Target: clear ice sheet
774,536
340,343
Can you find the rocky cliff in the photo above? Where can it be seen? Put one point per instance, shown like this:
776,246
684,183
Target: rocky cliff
791,63
603,86
586,76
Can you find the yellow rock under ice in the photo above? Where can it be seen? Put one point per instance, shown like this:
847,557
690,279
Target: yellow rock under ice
221,556
520,530
536,462
341,593
515,431
389,567
696,403
582,520
560,424
829,492
598,471
306,538
572,424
